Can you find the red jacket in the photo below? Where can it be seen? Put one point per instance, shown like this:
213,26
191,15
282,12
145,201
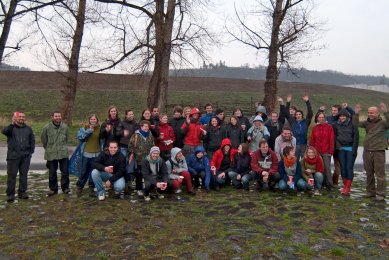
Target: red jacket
267,163
192,133
168,134
217,157
323,138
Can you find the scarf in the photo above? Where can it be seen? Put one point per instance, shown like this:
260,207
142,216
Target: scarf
289,162
143,133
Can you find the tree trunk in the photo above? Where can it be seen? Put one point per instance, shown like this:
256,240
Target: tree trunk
158,85
271,88
7,27
70,88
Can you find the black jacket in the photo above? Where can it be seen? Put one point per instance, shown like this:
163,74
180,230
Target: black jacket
176,123
131,126
213,138
118,161
20,140
235,134
346,134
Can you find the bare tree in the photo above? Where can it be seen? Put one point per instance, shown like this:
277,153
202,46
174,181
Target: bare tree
66,22
170,29
70,87
284,29
16,9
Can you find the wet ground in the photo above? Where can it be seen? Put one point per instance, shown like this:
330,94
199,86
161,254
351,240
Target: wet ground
230,224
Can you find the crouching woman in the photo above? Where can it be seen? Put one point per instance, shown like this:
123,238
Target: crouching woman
178,172
312,168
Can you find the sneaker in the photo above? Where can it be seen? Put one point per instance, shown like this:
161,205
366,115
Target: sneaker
178,191
101,197
379,198
147,198
23,195
139,193
51,193
160,196
119,195
317,193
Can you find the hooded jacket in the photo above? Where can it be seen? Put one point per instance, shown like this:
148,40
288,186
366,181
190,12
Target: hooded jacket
192,131
214,137
196,165
257,134
131,126
172,163
300,128
346,135
235,134
217,157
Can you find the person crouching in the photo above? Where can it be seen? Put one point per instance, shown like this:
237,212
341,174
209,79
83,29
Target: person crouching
155,174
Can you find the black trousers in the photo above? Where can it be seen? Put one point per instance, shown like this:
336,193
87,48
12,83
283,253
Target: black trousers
21,165
53,180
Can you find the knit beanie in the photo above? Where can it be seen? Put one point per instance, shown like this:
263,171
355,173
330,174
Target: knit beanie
154,149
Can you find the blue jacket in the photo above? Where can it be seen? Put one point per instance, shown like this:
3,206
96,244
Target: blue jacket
196,165
204,119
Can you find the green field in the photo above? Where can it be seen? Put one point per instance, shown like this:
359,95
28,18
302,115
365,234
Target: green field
38,104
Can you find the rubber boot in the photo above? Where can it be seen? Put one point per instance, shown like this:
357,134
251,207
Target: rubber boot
346,189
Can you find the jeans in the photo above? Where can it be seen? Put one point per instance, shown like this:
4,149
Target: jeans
318,177
86,172
303,185
346,160
300,149
196,179
99,177
283,185
221,181
20,165
244,180
53,180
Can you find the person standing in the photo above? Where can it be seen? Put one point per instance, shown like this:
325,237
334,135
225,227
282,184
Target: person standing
346,144
374,148
55,136
109,129
21,145
323,139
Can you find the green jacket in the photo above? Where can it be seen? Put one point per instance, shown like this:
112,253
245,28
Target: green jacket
375,139
55,141
140,146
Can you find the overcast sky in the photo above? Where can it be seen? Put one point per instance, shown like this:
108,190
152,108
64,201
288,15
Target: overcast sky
357,39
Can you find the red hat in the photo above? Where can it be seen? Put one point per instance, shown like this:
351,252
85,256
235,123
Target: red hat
194,110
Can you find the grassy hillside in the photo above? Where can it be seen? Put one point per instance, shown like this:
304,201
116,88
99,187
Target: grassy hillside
38,94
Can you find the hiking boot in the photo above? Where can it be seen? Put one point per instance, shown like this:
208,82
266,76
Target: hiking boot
66,191
370,195
316,193
51,193
191,193
23,195
139,193
147,198
160,196
78,191
10,199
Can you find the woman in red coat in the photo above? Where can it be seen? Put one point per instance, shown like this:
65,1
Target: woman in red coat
323,139
166,137
221,163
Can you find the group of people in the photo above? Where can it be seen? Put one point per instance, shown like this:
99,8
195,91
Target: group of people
198,150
